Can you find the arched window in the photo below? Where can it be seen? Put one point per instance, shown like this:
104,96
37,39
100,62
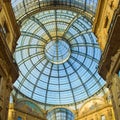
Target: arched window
103,117
19,118
60,114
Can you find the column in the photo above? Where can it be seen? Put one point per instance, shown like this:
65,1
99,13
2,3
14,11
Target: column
114,86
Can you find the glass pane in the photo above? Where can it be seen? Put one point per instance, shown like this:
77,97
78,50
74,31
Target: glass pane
19,118
60,114
103,117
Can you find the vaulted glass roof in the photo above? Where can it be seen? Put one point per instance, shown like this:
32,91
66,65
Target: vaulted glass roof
58,56
24,8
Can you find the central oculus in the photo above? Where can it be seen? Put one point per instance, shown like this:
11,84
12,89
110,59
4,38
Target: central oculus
57,51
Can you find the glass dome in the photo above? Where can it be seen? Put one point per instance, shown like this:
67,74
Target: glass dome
57,52
58,55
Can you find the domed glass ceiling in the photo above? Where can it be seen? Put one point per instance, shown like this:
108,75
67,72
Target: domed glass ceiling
58,55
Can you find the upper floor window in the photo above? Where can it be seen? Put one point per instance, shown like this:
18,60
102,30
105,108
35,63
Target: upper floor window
119,73
106,22
19,118
5,29
0,81
0,7
103,117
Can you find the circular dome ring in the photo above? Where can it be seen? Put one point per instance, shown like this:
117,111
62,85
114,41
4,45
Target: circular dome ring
57,51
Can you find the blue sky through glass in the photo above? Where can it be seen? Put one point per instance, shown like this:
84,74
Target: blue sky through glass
70,81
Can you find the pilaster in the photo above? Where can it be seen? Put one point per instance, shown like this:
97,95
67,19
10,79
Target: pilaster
9,33
114,87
